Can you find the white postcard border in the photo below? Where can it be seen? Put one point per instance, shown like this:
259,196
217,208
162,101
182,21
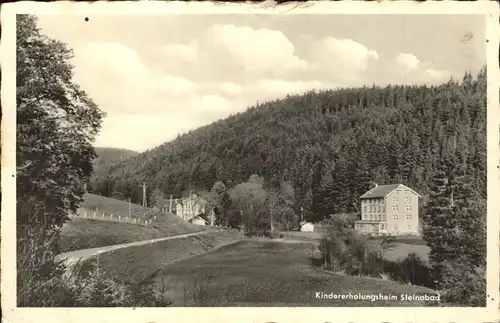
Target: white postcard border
245,314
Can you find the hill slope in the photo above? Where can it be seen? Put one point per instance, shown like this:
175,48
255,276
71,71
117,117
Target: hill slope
109,156
80,233
331,145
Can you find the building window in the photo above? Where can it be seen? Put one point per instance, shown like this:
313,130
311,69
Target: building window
407,200
366,209
408,208
409,226
408,216
382,226
380,208
395,207
394,216
380,217
395,199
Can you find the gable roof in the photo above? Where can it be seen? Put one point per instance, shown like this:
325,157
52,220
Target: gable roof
383,191
199,216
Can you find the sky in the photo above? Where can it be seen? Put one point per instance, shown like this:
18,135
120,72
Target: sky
158,76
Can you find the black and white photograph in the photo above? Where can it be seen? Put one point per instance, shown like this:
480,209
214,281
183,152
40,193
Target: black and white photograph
287,158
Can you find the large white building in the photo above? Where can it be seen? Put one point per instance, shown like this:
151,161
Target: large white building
389,209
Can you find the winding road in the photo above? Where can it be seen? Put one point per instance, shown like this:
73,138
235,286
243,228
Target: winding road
73,257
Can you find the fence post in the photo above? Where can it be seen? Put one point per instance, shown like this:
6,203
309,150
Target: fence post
103,215
111,216
119,218
94,215
85,214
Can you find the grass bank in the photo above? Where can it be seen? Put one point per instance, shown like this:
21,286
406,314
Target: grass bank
144,262
82,233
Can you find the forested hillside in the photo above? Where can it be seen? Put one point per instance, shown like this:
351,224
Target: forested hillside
109,156
331,145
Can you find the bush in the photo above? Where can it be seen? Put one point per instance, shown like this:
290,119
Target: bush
95,288
40,281
342,247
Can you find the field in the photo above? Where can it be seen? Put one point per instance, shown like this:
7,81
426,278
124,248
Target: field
268,273
80,233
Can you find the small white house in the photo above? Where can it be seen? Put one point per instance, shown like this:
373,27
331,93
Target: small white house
306,227
198,220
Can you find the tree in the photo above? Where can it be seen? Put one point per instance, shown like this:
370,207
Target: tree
158,198
220,201
225,215
56,125
248,197
438,221
279,205
455,231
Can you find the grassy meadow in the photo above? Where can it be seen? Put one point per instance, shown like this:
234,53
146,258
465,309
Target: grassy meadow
269,273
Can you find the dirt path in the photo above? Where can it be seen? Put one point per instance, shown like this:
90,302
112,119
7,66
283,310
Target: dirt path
72,257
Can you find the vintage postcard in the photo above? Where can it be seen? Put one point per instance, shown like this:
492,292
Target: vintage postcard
303,162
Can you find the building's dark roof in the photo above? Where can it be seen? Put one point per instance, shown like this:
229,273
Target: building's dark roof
383,191
380,191
197,216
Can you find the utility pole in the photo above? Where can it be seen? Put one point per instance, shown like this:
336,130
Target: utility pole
271,216
144,197
191,203
242,227
121,164
301,214
129,207
170,204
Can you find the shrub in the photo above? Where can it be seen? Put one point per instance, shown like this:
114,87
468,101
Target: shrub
40,281
95,288
342,247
